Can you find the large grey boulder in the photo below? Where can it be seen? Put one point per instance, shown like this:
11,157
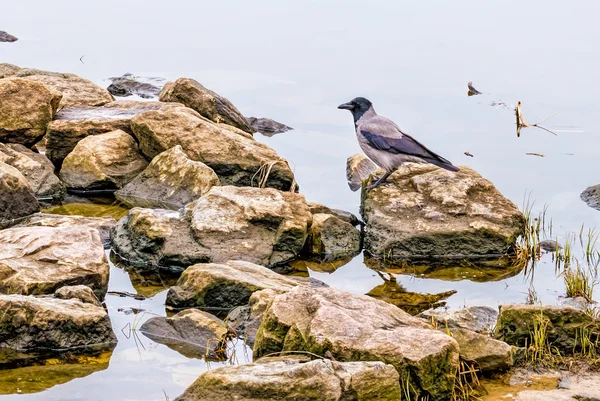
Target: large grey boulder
425,213
31,323
358,328
291,379
237,159
17,198
39,260
170,181
36,168
206,102
109,160
25,110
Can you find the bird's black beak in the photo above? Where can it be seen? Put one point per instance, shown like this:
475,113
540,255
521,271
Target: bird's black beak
346,106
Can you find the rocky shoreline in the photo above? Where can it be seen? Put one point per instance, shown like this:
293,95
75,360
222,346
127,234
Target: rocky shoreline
210,204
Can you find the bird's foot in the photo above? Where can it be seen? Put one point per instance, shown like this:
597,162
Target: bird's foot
380,181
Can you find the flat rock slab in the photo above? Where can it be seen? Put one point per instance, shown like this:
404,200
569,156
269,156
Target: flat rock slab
291,379
225,285
39,260
170,181
357,327
31,323
427,214
474,318
191,332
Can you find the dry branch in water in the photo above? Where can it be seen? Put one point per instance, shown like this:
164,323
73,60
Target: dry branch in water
521,123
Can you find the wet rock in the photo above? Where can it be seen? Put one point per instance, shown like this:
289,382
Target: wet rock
190,332
26,109
259,225
7,37
39,260
266,126
411,302
129,84
357,327
358,169
17,199
7,70
549,245
332,238
582,387
72,124
80,292
75,90
563,330
225,285
425,214
474,318
102,161
293,380
490,355
36,168
170,181
235,158
206,102
340,214
246,318
102,224
30,323
591,196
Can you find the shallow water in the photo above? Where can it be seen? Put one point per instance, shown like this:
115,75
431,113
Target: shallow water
296,61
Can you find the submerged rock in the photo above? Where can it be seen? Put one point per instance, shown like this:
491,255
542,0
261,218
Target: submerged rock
17,199
206,102
474,318
237,159
291,379
591,196
72,124
490,355
75,90
80,292
26,109
7,37
563,324
170,181
357,327
225,285
266,126
39,260
129,84
425,213
36,168
31,323
191,332
103,161
332,238
412,302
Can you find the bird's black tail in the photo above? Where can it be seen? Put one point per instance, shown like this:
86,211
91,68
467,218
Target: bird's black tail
443,163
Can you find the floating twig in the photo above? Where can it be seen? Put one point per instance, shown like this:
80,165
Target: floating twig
521,123
468,154
535,154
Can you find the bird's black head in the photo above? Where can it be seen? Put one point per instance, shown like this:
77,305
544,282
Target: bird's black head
357,106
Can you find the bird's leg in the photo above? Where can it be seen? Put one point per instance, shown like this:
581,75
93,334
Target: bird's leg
381,180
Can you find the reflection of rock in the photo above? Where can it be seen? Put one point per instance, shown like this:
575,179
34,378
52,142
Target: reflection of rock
17,199
358,169
35,167
325,266
129,84
266,126
206,102
411,302
237,159
425,214
170,181
39,260
7,37
191,332
563,331
31,323
290,379
80,292
102,161
146,282
474,318
358,327
26,109
489,354
225,285
331,238
591,196
34,379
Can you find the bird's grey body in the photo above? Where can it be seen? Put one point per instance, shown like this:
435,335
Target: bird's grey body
385,144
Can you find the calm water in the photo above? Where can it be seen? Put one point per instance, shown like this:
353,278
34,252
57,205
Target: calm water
296,61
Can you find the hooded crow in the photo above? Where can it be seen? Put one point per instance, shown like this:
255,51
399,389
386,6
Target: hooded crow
385,144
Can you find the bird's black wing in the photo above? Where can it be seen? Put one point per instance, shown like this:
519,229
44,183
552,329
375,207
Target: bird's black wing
383,134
